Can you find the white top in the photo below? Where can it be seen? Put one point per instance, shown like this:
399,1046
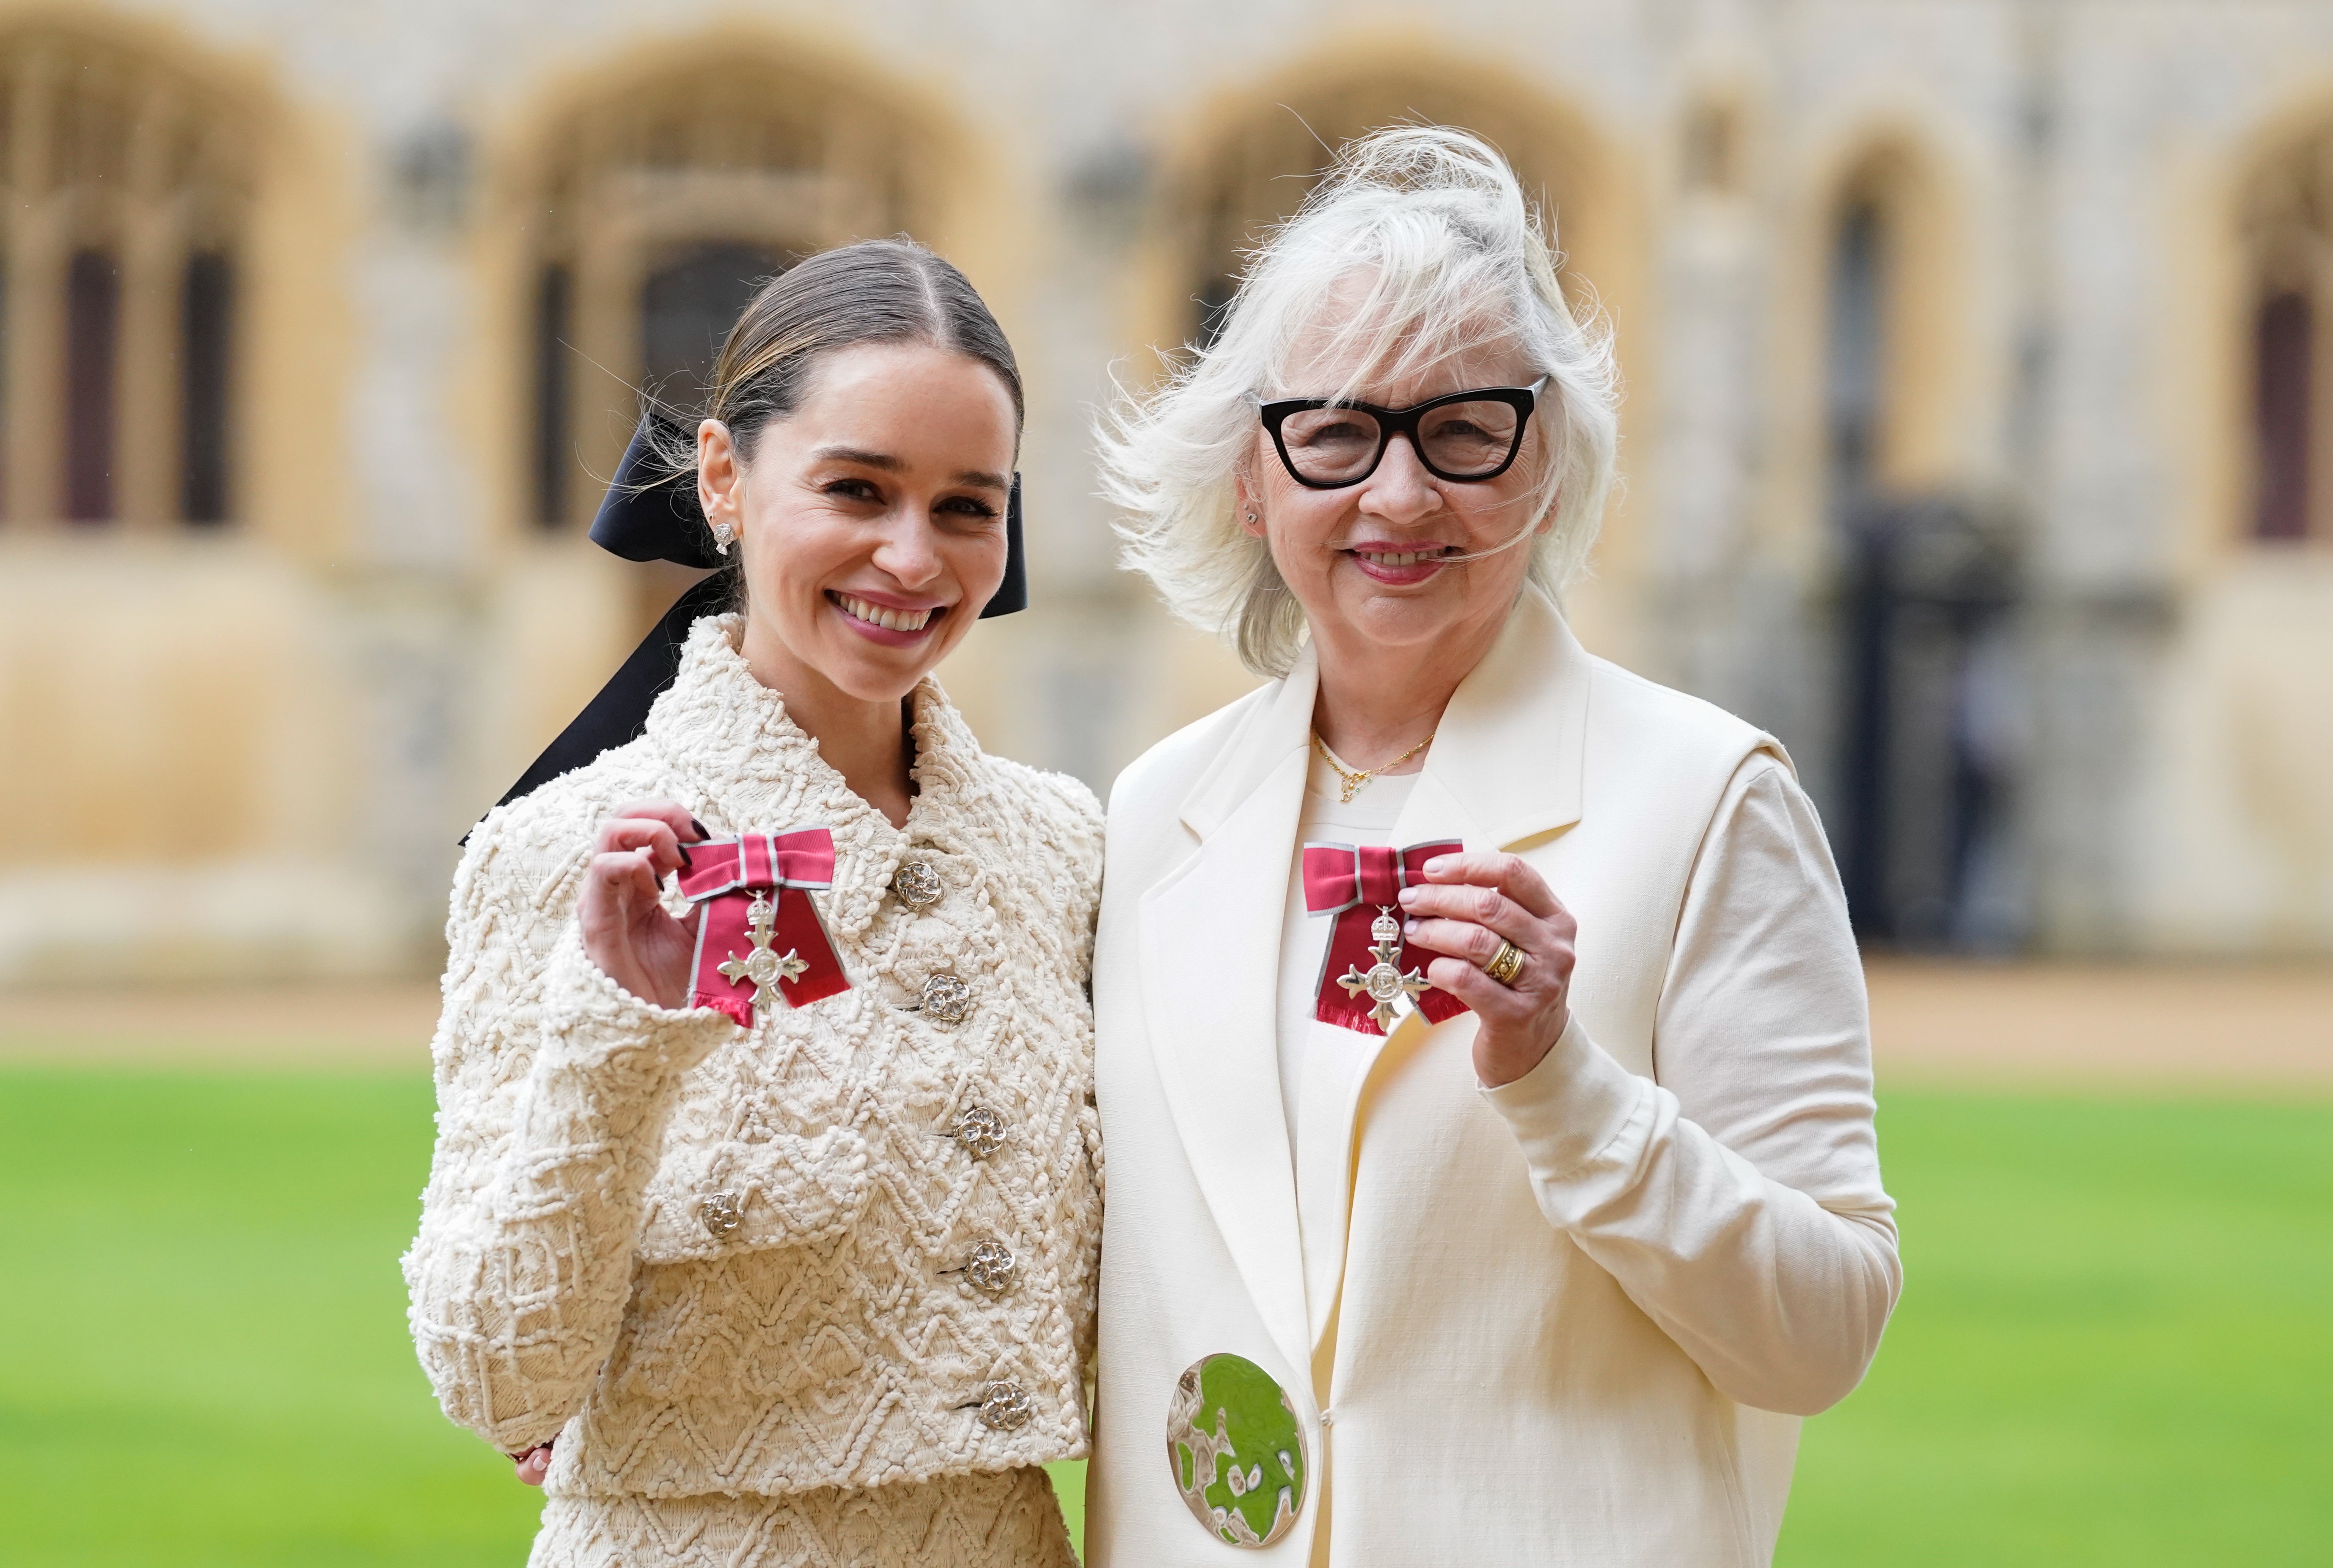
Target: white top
1319,1058
1578,1313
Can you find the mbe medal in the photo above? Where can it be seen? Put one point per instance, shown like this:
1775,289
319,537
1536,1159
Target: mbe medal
763,966
759,939
1345,881
1383,982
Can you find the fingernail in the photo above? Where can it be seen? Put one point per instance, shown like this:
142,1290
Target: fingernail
1408,896
1409,928
685,864
1440,862
693,822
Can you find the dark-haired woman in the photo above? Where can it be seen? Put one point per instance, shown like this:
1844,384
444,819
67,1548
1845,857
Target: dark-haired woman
765,1204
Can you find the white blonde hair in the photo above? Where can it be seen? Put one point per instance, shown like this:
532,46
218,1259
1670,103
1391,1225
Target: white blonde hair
1452,256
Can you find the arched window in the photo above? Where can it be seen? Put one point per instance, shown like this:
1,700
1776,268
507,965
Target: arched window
1266,165
126,186
2289,222
659,215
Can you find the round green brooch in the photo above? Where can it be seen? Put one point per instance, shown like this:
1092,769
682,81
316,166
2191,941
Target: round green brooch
1237,1450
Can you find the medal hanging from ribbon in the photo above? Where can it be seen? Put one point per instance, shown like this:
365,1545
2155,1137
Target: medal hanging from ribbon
758,935
1361,973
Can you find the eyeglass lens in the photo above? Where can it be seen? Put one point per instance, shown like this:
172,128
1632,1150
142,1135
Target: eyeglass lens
1458,440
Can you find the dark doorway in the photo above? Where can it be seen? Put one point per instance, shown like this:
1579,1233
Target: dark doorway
92,337
2284,344
206,386
1927,676
688,305
1929,738
555,457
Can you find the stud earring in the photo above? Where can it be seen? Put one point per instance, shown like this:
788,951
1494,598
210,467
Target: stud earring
723,533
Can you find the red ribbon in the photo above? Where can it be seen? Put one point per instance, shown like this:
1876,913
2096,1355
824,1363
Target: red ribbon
1353,884
725,878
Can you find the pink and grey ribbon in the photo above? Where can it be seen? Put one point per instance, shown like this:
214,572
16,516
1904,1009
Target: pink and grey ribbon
1352,884
725,877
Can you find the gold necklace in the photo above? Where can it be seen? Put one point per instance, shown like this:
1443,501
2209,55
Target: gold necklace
1350,780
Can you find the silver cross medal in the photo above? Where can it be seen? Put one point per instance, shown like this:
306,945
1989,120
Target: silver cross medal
763,967
1383,982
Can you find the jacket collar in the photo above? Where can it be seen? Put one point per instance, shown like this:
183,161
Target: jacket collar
747,767
1506,762
1504,769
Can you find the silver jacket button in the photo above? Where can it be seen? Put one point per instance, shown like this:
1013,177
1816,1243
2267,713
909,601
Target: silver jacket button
1003,1407
947,998
917,884
992,1267
980,1129
722,1213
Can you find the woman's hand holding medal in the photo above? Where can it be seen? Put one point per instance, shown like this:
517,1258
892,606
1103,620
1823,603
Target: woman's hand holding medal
1492,912
627,930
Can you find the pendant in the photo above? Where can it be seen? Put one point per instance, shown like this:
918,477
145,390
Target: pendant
1384,983
764,968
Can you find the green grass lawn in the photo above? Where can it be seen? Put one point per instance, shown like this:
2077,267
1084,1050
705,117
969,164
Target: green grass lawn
2117,1347
2115,1343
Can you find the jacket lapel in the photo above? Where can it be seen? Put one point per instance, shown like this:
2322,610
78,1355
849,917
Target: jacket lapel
1505,766
1505,771
1210,938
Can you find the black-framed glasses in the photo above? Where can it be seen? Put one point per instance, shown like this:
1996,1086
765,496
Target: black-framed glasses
1465,437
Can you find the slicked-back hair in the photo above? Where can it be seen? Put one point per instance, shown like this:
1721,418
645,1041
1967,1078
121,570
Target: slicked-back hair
874,292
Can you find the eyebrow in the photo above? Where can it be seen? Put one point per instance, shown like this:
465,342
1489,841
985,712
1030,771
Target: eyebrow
978,477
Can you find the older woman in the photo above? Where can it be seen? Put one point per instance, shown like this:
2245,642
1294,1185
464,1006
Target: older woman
1483,1061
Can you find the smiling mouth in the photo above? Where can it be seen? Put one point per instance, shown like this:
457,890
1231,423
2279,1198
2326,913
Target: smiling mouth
1399,559
883,616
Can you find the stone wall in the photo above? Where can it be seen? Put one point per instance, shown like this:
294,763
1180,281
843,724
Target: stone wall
250,750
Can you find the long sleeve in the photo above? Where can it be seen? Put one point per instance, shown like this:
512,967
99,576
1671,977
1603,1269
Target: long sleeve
1737,1202
554,1088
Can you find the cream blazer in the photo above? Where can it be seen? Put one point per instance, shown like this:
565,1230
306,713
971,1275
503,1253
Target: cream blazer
1577,1317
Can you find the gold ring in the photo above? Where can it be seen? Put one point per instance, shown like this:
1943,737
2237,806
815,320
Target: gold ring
1506,963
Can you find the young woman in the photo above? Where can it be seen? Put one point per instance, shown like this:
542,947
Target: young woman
1485,1067
764,1218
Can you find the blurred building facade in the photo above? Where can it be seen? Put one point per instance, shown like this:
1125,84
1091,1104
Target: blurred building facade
1978,441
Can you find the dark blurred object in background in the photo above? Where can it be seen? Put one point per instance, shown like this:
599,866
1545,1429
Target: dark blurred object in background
1922,830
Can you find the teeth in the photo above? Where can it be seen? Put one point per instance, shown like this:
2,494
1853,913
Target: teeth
882,615
1407,558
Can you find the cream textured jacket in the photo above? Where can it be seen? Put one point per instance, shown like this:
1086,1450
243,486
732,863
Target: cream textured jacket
1570,1321
565,1279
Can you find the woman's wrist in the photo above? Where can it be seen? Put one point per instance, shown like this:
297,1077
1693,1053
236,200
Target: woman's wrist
1499,1060
597,1021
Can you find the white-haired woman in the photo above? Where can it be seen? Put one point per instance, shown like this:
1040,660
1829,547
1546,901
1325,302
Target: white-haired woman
1484,1060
